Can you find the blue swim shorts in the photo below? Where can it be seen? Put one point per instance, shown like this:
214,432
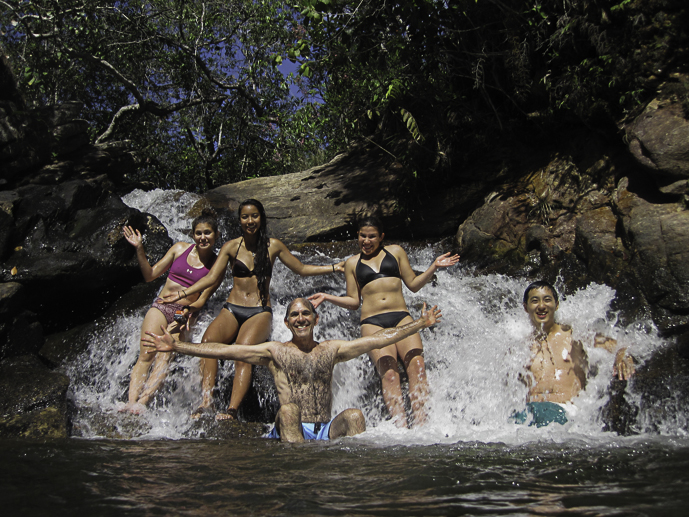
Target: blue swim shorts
311,431
542,413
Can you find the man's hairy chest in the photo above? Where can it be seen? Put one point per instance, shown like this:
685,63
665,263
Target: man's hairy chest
305,367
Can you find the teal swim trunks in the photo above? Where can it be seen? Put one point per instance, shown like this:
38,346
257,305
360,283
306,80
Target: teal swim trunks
542,414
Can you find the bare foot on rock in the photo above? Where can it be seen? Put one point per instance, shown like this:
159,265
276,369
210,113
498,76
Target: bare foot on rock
230,415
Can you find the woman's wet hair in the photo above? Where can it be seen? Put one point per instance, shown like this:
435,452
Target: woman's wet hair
370,220
262,266
538,285
209,217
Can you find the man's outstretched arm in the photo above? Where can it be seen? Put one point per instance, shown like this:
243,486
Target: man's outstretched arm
254,354
350,349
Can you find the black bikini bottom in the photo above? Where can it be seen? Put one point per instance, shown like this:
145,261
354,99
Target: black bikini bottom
242,313
386,320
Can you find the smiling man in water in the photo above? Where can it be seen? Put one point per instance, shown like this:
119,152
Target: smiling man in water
302,369
559,364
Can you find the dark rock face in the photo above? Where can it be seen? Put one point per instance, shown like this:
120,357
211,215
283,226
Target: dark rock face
68,247
614,235
63,259
34,409
658,239
540,215
658,139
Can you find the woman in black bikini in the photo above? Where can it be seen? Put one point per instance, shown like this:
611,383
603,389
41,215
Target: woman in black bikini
247,315
374,280
187,264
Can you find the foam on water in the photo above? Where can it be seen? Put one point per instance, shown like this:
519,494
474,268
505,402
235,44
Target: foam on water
474,358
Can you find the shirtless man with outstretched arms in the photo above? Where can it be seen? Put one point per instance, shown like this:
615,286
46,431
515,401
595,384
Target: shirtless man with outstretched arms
302,369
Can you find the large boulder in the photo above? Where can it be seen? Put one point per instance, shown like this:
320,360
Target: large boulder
657,238
538,216
659,139
68,251
322,203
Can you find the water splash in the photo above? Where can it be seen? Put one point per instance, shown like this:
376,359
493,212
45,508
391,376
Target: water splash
474,358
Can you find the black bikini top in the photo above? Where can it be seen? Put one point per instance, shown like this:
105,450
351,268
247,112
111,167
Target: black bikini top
389,268
239,269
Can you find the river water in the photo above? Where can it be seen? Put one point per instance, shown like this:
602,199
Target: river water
469,459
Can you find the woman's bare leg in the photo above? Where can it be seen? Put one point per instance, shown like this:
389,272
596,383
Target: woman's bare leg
411,351
385,360
223,329
161,364
153,320
254,331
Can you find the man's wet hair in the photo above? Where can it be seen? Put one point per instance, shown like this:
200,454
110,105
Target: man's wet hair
539,285
306,302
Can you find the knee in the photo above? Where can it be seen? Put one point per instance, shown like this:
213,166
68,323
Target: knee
390,376
387,367
414,363
355,420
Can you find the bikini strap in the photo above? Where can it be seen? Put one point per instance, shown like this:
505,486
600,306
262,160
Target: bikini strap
240,245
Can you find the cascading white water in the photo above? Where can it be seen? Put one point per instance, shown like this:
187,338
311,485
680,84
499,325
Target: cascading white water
474,357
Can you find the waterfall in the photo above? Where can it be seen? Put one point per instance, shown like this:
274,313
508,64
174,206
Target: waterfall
474,358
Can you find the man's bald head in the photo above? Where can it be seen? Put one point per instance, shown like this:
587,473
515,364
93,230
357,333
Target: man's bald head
302,300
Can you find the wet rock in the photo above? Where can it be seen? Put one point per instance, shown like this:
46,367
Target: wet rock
498,230
20,332
597,244
35,409
661,385
659,139
63,347
69,240
542,218
658,240
618,414
230,429
91,421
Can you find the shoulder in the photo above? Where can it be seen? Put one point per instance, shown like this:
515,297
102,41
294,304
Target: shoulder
230,246
180,247
331,345
352,261
396,250
276,243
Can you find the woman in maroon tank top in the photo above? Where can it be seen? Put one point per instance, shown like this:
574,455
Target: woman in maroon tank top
374,280
187,263
247,316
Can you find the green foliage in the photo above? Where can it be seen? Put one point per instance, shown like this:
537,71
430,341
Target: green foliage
436,83
194,84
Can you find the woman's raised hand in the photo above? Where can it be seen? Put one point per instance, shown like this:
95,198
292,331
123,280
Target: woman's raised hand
133,236
446,260
316,299
431,316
